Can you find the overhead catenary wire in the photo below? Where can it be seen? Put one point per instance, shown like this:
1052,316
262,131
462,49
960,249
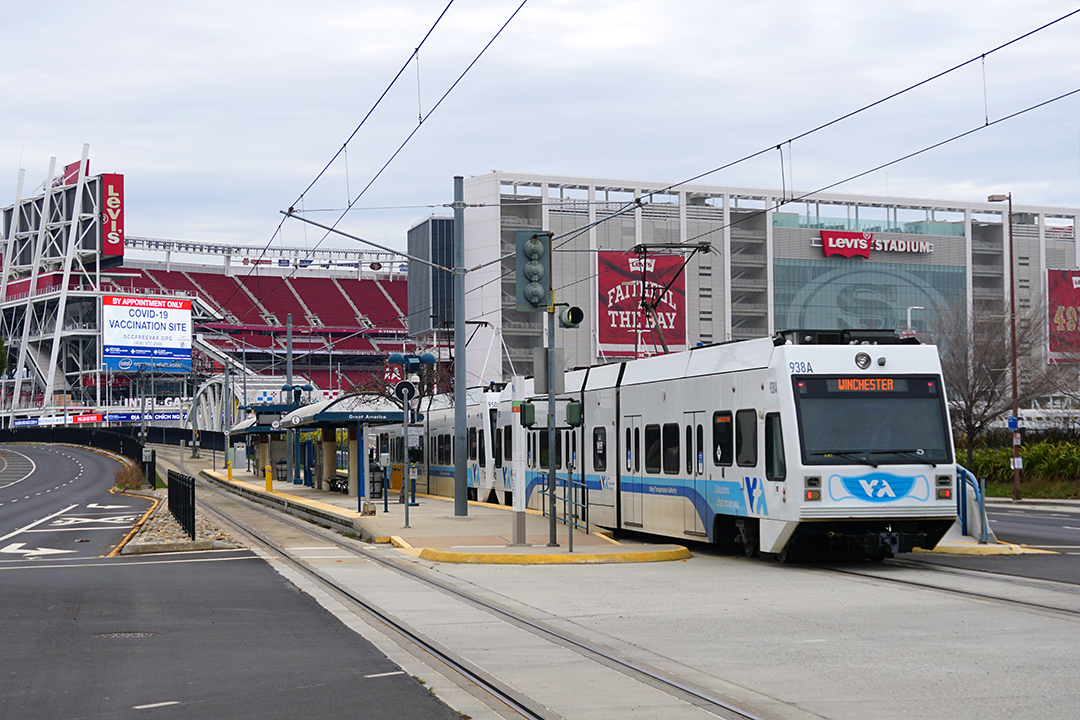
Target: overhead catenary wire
401,147
818,128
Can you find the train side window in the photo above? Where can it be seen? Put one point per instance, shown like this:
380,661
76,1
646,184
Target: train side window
496,447
482,454
670,441
508,443
653,451
558,450
599,449
775,467
723,439
542,450
472,443
629,465
689,450
700,454
637,450
746,438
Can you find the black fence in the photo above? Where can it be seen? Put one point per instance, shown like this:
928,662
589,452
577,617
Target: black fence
206,439
182,500
117,442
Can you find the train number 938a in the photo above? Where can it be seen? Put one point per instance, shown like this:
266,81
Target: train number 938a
800,367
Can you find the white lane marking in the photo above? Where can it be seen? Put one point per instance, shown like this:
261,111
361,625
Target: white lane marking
112,528
33,468
17,549
107,507
388,674
65,564
155,705
37,522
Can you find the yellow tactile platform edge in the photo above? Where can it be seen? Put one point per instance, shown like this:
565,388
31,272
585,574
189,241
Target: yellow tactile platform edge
578,558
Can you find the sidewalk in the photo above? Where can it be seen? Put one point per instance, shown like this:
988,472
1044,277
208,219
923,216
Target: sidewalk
485,535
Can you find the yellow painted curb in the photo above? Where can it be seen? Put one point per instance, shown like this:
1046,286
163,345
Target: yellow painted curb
397,541
137,527
606,535
979,549
481,558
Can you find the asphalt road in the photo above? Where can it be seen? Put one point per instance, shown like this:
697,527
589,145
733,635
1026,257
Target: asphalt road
1055,533
55,502
193,635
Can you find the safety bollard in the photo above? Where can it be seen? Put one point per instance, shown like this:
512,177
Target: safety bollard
269,479
228,465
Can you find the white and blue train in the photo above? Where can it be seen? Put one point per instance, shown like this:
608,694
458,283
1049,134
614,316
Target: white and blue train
808,444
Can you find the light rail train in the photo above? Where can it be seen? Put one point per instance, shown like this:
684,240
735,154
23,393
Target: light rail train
805,445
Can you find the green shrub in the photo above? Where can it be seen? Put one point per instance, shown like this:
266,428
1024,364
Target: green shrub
1049,469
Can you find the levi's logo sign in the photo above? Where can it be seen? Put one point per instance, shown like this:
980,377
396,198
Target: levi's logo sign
859,244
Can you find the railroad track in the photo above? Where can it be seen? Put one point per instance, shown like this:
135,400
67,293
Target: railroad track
1005,583
504,700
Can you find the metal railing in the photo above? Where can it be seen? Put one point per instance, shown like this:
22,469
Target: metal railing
182,500
966,479
575,503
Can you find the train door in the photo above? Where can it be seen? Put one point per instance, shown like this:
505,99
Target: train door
631,483
694,452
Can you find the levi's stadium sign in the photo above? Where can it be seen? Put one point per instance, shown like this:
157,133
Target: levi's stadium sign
859,244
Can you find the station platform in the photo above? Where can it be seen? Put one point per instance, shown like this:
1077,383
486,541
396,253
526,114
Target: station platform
484,535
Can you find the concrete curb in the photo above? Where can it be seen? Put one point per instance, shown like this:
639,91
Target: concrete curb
586,558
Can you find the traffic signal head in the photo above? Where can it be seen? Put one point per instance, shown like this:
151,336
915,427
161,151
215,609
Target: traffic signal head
533,260
570,316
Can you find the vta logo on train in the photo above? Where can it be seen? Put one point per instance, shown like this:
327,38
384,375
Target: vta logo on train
755,496
879,487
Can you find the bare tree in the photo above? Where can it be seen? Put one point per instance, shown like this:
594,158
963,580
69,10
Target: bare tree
975,363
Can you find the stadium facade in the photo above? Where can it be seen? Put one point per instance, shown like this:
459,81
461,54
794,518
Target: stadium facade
723,263
188,336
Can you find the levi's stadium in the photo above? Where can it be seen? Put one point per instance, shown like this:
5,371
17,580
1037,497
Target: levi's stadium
94,335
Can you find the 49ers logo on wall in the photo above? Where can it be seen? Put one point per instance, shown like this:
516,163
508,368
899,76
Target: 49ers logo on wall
859,244
623,328
112,214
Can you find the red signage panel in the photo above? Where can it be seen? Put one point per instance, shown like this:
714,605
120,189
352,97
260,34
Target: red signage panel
846,244
624,328
112,214
1063,305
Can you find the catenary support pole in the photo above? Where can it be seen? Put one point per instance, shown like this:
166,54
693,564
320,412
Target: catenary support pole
461,491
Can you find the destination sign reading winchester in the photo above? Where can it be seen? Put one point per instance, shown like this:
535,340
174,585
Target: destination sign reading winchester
152,333
859,244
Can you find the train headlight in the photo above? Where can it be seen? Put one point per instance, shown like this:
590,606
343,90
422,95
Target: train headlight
862,360
813,495
944,493
813,481
944,480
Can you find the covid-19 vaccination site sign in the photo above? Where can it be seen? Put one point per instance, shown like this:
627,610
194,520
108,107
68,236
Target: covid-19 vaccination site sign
151,333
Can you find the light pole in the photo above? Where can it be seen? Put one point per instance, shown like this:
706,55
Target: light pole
1012,335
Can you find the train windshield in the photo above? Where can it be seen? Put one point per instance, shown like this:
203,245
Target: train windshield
872,420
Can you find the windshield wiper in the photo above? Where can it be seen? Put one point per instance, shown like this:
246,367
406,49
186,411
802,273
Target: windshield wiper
849,455
916,455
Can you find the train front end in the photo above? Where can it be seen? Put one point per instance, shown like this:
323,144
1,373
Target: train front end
874,470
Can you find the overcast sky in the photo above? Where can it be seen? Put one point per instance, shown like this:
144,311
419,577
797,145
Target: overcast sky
220,114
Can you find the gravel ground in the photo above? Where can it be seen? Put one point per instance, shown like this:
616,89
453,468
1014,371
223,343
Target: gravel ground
162,528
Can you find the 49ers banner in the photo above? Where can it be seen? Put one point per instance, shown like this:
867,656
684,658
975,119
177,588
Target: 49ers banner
624,327
1063,304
